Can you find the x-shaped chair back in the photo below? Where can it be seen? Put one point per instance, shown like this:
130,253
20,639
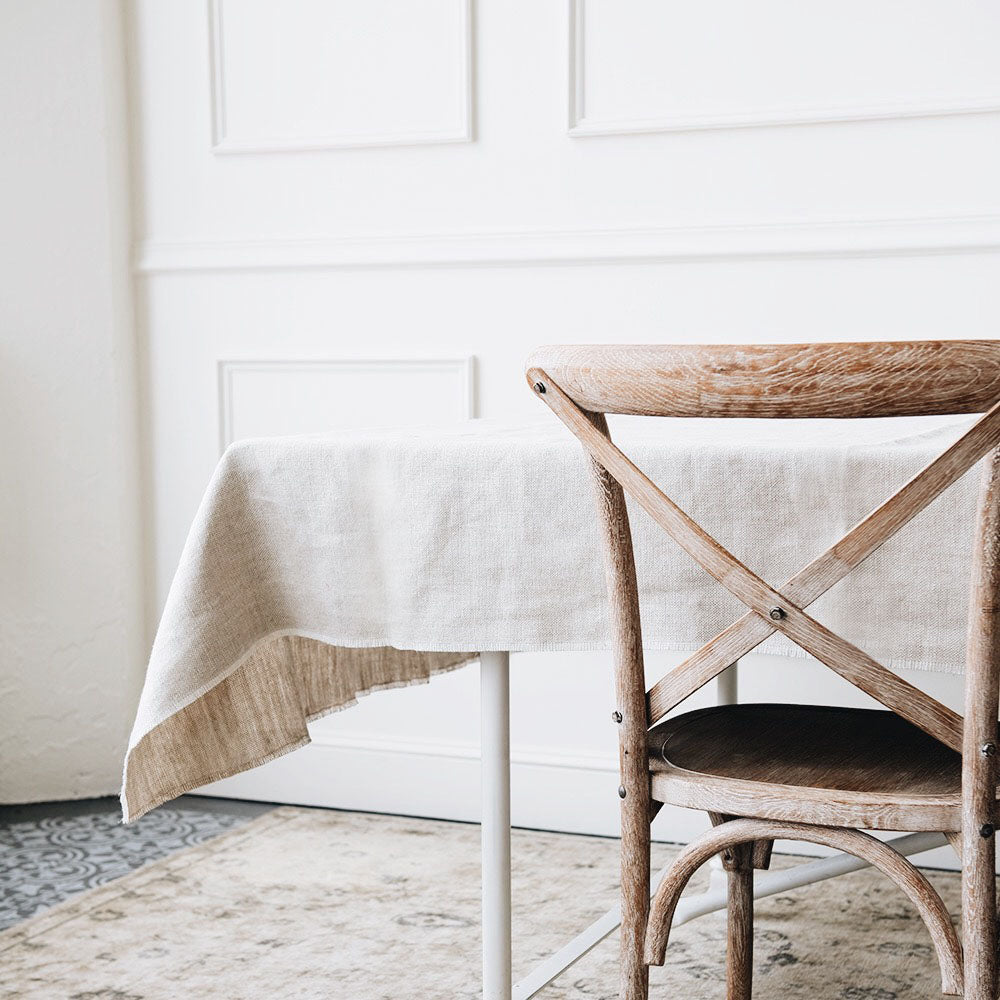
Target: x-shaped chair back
580,384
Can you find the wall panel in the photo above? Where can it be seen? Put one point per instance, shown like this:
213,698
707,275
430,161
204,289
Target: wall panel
282,396
649,66
332,74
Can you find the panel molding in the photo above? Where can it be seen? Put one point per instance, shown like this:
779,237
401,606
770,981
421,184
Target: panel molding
847,238
221,143
227,369
581,126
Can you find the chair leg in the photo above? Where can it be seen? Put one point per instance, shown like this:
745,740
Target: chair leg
761,854
739,911
979,919
635,864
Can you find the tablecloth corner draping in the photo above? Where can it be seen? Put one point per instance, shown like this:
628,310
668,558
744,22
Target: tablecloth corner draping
322,567
260,710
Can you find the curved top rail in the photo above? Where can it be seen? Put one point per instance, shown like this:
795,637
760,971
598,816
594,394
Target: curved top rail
874,379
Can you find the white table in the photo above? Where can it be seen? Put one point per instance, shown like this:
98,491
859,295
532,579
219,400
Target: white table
497,976
322,567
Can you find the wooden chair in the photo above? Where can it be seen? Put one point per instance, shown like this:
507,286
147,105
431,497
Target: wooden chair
803,773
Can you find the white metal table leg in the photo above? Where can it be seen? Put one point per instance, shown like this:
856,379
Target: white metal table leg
495,750
727,685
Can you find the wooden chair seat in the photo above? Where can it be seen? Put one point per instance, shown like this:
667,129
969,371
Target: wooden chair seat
810,764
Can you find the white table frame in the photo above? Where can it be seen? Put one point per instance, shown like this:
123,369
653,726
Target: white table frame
495,741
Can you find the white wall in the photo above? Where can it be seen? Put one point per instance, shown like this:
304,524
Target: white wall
71,640
537,172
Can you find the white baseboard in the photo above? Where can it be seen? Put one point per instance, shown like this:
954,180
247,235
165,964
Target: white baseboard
567,792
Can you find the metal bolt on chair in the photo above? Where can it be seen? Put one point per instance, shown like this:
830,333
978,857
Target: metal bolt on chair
815,774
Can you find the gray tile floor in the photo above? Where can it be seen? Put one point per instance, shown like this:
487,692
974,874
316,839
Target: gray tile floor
50,851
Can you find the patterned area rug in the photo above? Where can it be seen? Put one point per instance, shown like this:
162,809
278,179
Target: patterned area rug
46,861
319,905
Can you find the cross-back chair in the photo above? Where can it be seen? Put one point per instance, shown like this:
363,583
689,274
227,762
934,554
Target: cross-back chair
814,774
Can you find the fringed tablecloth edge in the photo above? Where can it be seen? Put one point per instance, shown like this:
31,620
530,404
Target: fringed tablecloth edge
135,805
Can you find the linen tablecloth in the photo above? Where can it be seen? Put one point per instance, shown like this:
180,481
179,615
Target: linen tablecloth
322,567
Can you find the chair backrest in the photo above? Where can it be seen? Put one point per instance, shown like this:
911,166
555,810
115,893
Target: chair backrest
888,379
582,383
